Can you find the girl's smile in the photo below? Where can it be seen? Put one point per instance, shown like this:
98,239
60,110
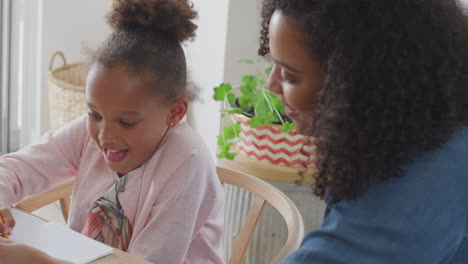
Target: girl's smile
115,155
125,118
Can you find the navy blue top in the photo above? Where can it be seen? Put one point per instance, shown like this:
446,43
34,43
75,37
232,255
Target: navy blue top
421,217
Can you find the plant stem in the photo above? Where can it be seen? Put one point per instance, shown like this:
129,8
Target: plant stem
268,98
225,104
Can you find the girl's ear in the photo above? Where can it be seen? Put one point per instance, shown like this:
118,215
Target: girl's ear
177,112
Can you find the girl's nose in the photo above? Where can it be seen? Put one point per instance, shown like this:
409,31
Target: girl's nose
274,81
106,133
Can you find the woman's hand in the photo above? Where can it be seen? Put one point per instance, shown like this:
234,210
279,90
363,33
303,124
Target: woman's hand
8,222
14,253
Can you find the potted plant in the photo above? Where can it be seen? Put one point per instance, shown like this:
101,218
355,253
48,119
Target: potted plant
260,134
259,139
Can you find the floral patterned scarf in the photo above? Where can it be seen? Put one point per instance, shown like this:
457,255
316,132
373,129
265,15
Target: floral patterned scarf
107,221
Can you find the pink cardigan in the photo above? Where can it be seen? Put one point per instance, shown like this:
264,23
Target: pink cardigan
174,201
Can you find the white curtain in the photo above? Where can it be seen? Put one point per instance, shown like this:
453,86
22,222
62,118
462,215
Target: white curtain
20,73
5,15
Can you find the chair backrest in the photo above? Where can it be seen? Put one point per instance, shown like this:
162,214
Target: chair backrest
61,192
264,192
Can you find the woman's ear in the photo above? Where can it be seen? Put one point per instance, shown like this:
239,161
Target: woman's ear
177,112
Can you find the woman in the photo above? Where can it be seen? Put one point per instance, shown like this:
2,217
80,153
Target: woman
382,86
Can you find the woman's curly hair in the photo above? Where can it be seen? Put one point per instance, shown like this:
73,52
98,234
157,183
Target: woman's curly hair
147,37
396,83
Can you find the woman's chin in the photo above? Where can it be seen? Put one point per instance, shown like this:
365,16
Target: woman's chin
302,128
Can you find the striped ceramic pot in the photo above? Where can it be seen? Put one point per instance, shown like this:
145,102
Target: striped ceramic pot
268,144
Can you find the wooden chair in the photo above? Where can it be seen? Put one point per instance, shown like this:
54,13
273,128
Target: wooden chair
264,192
61,192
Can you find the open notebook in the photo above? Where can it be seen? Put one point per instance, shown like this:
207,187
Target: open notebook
56,239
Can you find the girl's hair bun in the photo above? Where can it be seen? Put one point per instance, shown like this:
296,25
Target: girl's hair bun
171,17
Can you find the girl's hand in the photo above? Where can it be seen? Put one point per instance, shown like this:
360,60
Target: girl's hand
14,253
8,222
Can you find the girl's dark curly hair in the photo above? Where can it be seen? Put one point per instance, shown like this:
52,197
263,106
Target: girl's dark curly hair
396,83
147,37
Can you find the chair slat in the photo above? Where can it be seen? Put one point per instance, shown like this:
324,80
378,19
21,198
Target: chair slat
65,207
279,201
35,202
247,231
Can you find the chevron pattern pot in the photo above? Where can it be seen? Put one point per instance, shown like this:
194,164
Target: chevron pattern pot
268,144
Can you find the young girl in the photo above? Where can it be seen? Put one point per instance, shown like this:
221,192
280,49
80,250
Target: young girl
144,181
382,86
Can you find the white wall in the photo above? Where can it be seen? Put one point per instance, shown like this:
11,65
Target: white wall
228,31
40,27
24,77
205,58
65,28
242,39
70,26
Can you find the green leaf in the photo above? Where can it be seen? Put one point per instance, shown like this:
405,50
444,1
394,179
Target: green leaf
230,156
231,131
226,145
249,83
267,118
255,122
268,70
245,89
261,82
231,111
250,61
255,98
221,142
235,140
224,151
287,127
231,98
222,146
276,103
261,107
221,91
235,111
244,102
247,78
275,119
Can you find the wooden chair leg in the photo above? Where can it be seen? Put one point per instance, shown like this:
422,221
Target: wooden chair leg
65,207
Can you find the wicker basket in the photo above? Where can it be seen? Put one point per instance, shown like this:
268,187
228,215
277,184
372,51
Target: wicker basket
66,91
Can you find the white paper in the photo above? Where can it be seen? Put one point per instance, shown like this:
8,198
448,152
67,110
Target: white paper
55,239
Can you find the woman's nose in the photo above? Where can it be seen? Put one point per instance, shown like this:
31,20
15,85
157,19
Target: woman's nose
274,81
